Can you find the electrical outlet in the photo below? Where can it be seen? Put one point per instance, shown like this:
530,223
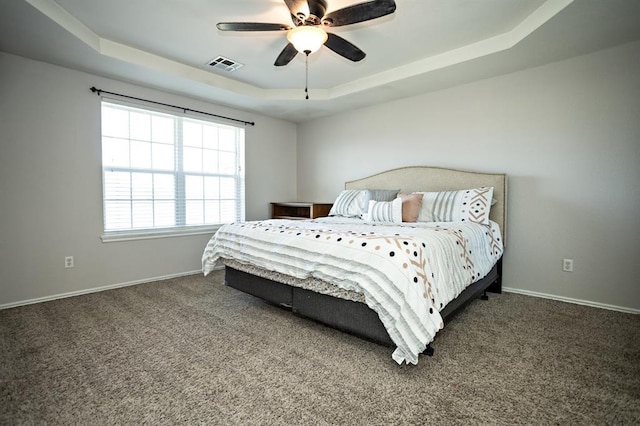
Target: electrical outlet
567,265
68,262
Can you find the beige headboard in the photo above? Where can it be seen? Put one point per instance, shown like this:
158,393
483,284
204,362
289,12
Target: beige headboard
410,179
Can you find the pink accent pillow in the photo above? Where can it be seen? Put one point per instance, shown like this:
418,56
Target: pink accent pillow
411,205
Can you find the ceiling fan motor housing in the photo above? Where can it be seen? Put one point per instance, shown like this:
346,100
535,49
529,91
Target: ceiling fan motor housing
317,9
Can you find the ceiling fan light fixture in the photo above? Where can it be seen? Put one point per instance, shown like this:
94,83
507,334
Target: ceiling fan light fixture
307,39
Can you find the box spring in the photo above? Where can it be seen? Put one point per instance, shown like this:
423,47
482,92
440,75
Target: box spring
346,315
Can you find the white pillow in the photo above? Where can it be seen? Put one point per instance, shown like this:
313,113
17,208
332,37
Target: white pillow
467,205
385,211
350,203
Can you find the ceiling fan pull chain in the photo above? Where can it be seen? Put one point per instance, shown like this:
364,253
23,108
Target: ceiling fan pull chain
306,75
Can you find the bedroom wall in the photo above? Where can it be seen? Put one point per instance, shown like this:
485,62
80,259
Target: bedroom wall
51,184
568,136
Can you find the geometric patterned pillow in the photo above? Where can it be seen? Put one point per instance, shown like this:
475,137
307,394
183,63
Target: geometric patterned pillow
467,205
350,203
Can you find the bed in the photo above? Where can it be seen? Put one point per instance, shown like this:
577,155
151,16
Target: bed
379,277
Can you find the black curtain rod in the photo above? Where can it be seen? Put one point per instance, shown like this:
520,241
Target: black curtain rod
99,91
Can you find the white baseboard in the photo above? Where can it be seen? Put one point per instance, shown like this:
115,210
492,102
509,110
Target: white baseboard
94,290
572,300
184,274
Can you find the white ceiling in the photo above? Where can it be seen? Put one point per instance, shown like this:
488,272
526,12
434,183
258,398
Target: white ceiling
425,45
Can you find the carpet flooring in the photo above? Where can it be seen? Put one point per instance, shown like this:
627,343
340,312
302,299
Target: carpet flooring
191,350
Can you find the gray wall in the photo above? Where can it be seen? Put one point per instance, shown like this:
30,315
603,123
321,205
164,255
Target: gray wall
568,136
51,184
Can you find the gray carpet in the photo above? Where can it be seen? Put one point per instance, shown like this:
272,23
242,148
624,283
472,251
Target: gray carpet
191,350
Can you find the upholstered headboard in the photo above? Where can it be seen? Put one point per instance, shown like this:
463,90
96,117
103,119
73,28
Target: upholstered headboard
432,179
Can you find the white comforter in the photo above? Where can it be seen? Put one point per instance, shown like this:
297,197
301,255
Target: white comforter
407,272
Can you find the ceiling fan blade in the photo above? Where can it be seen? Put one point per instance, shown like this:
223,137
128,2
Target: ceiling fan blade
359,13
251,26
288,53
344,48
298,8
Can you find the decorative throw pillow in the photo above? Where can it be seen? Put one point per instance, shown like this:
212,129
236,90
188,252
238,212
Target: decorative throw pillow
468,205
411,204
385,211
350,203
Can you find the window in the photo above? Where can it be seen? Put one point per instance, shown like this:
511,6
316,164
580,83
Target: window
167,174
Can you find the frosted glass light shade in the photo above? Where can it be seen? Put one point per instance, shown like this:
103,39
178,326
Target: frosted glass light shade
307,38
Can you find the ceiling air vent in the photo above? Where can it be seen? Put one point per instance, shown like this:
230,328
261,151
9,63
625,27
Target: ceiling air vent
225,64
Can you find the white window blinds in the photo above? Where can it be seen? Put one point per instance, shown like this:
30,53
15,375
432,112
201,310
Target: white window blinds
168,173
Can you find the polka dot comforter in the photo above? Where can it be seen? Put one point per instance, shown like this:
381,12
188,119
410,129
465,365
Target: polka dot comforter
407,272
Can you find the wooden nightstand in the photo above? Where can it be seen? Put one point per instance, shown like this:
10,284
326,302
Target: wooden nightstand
299,210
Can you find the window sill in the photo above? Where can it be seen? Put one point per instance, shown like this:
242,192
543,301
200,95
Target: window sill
112,237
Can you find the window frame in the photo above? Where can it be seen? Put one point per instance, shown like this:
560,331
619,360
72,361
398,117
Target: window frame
180,192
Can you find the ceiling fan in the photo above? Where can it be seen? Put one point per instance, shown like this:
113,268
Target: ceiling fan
309,18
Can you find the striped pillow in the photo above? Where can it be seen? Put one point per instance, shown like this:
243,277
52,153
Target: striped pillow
350,203
468,205
385,211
